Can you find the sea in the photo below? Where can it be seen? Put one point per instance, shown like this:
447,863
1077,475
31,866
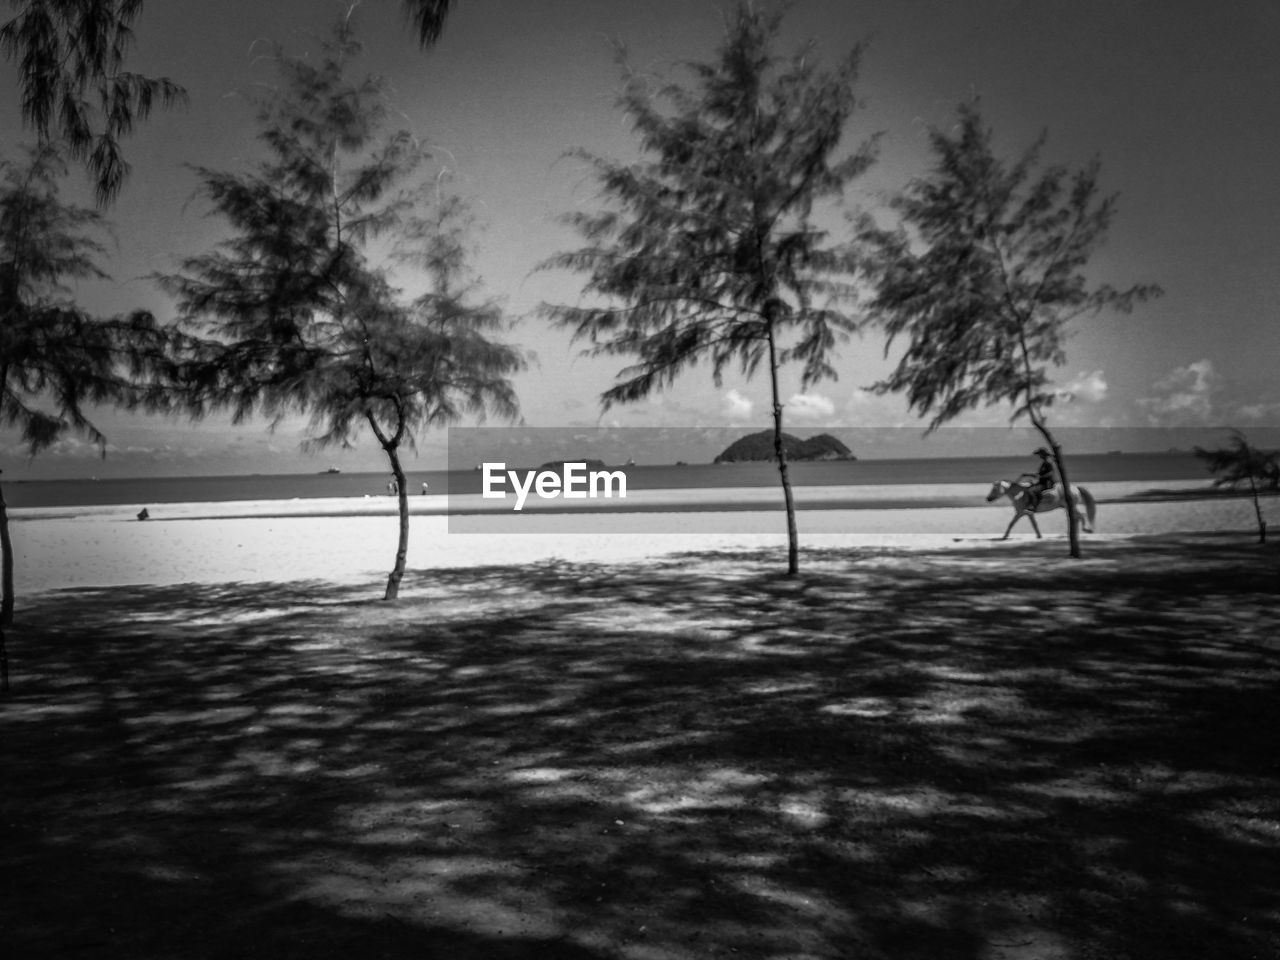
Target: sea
1083,468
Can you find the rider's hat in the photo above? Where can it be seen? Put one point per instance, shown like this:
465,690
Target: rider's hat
1042,452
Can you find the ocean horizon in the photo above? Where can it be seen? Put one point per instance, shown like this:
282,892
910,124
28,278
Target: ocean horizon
1084,468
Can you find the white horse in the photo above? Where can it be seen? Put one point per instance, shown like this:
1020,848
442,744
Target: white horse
1021,497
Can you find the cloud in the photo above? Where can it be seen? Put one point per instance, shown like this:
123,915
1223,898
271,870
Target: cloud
1182,397
1260,413
735,407
1089,387
868,408
810,408
72,447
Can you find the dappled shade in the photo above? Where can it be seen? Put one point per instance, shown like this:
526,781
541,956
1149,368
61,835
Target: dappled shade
899,755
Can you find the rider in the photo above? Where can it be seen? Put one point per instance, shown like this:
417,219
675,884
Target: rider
1044,478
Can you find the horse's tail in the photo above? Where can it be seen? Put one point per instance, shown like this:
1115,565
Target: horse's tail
1090,505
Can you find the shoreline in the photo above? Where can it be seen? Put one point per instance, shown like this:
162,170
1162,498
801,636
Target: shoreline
352,540
930,496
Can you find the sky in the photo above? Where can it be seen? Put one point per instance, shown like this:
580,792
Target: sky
1176,97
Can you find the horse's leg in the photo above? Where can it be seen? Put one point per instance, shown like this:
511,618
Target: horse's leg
1035,526
1007,529
1083,502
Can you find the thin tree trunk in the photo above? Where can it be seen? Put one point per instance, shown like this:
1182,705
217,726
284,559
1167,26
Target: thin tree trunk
402,548
793,538
1257,509
1073,523
1073,532
6,585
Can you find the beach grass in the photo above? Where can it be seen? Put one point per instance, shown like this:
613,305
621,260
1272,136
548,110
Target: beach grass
902,753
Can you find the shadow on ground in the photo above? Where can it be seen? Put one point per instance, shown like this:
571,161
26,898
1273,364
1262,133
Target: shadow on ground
981,754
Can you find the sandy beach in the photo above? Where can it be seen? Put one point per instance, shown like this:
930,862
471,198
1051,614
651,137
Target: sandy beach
352,540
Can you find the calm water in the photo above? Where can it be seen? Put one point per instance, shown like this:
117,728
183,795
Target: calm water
1154,467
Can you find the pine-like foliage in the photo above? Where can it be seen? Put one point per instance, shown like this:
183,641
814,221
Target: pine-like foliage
1241,463
56,360
300,318
985,274
708,249
71,56
427,17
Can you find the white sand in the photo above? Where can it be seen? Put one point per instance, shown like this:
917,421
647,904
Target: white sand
353,540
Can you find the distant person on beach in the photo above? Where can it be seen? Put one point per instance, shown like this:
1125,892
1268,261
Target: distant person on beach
424,488
391,487
1043,480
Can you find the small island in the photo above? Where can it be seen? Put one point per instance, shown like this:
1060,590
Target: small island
759,446
557,466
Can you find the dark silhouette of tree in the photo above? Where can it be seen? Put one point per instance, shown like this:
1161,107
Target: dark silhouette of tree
427,17
984,275
75,89
57,361
300,319
1240,463
71,57
709,250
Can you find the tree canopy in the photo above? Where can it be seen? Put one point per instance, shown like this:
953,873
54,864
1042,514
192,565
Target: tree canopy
985,272
1240,462
56,359
75,88
299,314
708,248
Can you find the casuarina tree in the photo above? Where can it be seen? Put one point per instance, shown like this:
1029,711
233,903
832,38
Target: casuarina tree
75,88
57,360
708,248
1242,462
298,313
985,274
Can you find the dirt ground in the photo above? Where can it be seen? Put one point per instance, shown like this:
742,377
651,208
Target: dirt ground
995,754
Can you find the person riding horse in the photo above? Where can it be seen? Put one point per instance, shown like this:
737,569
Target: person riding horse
1045,478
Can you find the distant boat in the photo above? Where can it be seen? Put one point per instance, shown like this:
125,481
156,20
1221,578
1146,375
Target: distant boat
333,470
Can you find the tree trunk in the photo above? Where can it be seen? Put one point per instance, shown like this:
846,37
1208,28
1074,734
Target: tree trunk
1257,509
1069,498
1073,532
402,548
6,586
793,538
